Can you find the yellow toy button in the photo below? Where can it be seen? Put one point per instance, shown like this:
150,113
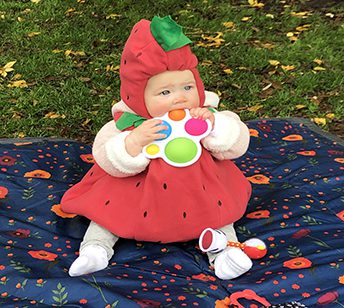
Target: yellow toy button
152,149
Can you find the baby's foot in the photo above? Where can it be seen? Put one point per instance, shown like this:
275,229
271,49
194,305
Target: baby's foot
92,258
231,263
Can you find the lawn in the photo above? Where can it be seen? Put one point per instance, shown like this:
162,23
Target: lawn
59,60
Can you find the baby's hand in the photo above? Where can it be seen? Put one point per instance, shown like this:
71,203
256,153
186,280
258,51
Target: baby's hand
142,135
203,113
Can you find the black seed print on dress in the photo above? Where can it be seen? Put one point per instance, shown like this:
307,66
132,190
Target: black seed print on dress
107,202
145,214
219,203
91,173
165,186
184,214
138,184
139,54
203,187
125,62
127,96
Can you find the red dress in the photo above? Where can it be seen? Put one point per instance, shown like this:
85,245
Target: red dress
163,203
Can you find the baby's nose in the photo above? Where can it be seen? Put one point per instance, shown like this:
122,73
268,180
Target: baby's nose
180,98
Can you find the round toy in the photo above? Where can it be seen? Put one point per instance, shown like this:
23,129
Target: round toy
181,147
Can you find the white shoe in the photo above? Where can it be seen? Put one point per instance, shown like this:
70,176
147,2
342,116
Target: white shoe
92,258
232,263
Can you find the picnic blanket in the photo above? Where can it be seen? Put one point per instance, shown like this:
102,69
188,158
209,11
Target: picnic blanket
296,172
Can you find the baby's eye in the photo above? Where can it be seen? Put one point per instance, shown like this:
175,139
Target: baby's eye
187,88
165,92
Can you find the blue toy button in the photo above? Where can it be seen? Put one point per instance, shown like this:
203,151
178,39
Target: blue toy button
167,131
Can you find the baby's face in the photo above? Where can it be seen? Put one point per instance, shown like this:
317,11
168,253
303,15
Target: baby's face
171,90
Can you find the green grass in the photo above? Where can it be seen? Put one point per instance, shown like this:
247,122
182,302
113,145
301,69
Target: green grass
71,96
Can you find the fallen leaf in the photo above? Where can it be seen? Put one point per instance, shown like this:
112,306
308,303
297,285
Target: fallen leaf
270,16
288,67
7,68
20,19
246,18
290,34
54,115
212,41
18,84
21,135
330,116
319,121
113,16
228,71
255,108
301,14
303,28
207,63
318,61
111,68
319,68
35,1
229,24
255,3
298,107
32,34
274,62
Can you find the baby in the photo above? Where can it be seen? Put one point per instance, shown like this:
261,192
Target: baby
127,195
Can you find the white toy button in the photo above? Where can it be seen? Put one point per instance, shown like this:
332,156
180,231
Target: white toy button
181,147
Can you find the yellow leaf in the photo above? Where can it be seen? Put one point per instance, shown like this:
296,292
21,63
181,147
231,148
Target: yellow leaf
229,24
20,19
330,116
303,28
113,16
18,84
301,14
212,41
111,68
319,68
246,18
288,67
255,108
290,34
255,3
7,68
35,1
270,16
32,34
57,51
274,62
21,135
228,71
319,121
318,61
54,115
298,107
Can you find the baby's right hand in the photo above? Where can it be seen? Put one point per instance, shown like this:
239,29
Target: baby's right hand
142,135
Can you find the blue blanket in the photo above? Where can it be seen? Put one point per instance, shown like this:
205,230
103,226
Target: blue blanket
297,208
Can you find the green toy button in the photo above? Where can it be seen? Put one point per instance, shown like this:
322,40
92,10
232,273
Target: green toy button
181,150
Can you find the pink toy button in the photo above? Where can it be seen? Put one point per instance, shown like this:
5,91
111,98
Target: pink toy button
196,127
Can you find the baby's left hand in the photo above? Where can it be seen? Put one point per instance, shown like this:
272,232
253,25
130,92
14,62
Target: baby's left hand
203,113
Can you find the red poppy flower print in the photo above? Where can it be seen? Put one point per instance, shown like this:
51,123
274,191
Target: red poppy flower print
293,138
87,158
42,255
259,179
3,192
7,161
259,214
340,215
298,263
307,153
327,298
20,233
37,174
253,132
301,233
56,208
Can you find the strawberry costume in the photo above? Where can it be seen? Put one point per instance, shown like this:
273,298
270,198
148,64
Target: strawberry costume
149,200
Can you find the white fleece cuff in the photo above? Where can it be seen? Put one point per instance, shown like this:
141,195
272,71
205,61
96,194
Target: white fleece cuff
225,134
121,159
